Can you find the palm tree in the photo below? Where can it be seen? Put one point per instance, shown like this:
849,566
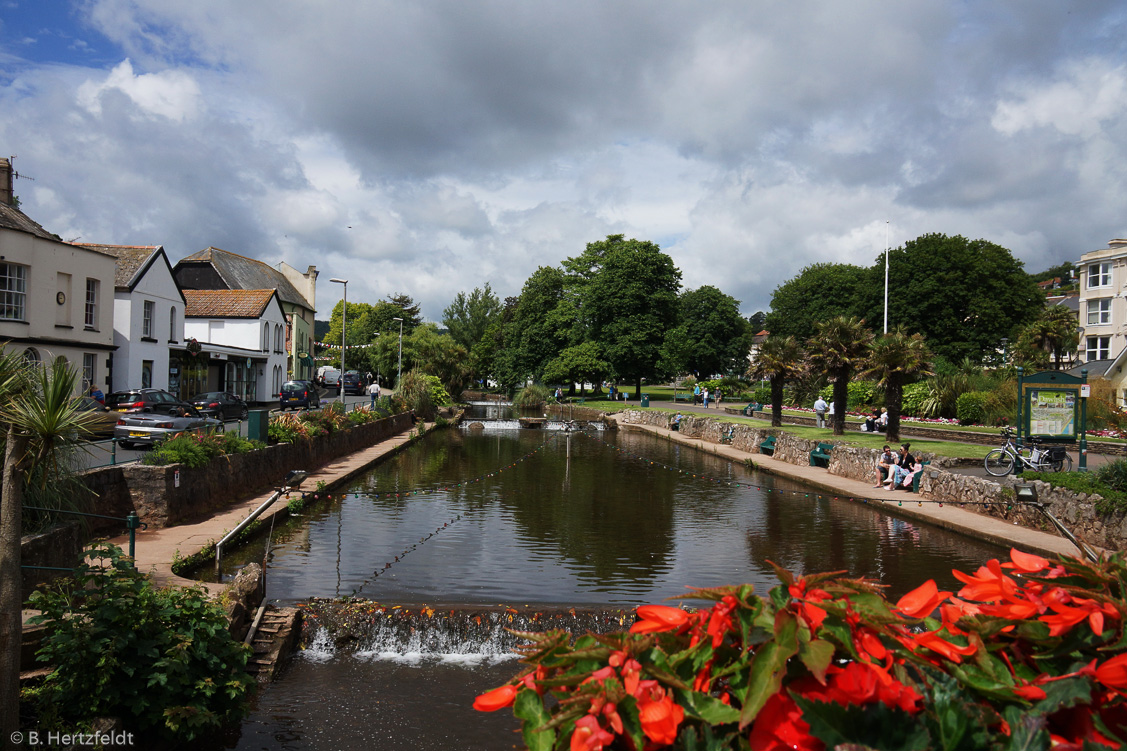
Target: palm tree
778,361
41,425
839,348
894,360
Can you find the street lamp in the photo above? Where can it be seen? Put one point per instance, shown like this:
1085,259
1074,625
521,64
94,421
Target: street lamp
343,326
399,374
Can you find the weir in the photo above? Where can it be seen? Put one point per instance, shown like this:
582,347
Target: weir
372,630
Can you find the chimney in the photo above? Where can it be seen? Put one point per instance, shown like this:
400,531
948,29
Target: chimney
5,182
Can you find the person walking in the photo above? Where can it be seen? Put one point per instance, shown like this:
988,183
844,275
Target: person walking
820,411
704,395
374,393
696,393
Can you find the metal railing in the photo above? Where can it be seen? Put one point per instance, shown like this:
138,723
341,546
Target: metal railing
132,523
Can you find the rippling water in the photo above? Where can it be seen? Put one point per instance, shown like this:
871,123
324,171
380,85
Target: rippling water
519,517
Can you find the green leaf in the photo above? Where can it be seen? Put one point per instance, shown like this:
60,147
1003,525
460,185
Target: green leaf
874,725
707,708
530,708
1027,730
816,655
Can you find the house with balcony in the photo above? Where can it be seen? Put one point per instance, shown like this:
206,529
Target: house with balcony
1103,307
217,269
236,343
55,297
148,318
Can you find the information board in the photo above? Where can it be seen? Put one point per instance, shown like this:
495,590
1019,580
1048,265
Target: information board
1053,412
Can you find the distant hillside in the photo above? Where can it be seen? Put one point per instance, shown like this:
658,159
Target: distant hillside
320,330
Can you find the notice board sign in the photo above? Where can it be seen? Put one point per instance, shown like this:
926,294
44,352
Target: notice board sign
1050,406
1053,413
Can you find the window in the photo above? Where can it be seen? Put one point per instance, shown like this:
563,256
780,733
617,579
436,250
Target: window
172,325
1099,311
279,340
89,372
1099,348
91,312
146,374
265,337
1099,275
31,356
147,319
13,292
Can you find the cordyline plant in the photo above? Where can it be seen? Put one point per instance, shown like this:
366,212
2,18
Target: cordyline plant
1029,654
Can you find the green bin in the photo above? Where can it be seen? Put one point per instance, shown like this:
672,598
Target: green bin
258,422
645,400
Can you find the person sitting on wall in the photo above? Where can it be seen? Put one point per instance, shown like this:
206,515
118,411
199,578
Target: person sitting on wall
676,424
885,462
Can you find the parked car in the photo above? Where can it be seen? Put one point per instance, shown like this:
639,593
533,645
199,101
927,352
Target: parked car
299,395
103,419
353,383
330,378
220,405
145,400
145,429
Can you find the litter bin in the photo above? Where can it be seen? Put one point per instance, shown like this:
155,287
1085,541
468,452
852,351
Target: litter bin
258,422
645,400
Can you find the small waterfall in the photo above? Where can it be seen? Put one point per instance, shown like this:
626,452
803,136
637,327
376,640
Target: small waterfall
412,634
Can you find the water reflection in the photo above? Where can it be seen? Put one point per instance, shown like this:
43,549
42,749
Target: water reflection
626,518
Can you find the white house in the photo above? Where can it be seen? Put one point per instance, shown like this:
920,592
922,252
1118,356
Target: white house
1103,305
236,342
148,318
54,297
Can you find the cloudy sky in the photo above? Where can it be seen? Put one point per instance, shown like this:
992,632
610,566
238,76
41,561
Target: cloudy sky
431,147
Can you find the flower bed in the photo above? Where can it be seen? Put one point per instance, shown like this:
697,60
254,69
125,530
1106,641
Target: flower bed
1028,654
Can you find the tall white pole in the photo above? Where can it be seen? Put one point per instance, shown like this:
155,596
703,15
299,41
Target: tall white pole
886,277
343,340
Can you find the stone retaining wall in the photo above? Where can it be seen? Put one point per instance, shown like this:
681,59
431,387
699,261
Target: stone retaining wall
1076,511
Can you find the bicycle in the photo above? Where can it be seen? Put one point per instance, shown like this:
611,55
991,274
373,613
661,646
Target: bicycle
1001,461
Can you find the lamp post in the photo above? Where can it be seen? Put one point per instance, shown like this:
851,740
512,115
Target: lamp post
343,327
399,374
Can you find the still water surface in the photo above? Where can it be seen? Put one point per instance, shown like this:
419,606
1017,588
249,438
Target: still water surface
519,517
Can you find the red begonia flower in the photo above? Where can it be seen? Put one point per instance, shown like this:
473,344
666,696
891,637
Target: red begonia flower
589,735
498,698
660,717
922,601
656,618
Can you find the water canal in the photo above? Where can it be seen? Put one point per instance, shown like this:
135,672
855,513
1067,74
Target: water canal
537,519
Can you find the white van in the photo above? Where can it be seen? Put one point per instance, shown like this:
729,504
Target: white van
329,376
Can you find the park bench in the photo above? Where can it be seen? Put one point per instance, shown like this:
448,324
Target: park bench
726,436
916,479
820,457
752,408
767,446
683,398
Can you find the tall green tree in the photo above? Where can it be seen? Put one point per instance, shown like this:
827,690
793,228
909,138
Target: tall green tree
819,292
1051,339
711,337
895,360
467,319
779,360
534,335
963,295
627,294
577,364
42,427
839,349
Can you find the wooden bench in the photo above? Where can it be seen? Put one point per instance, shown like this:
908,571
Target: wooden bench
768,446
682,398
752,408
820,457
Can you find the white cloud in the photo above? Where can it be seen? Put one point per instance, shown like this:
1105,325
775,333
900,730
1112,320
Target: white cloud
1077,102
172,94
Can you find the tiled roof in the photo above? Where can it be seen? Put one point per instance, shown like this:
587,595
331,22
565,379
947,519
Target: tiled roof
13,218
226,303
131,259
240,272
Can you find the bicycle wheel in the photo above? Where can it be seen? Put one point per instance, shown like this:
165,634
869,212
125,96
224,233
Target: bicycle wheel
999,462
1064,464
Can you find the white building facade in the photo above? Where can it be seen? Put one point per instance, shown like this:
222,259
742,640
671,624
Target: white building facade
148,316
56,299
1103,307
236,343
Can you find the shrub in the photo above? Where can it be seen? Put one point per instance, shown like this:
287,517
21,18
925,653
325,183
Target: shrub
861,394
912,399
197,449
823,661
1112,499
287,428
1113,475
762,395
530,396
161,659
970,407
415,394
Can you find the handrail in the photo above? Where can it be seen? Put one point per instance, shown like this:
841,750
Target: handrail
253,515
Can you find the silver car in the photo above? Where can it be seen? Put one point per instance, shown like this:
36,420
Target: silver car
145,429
